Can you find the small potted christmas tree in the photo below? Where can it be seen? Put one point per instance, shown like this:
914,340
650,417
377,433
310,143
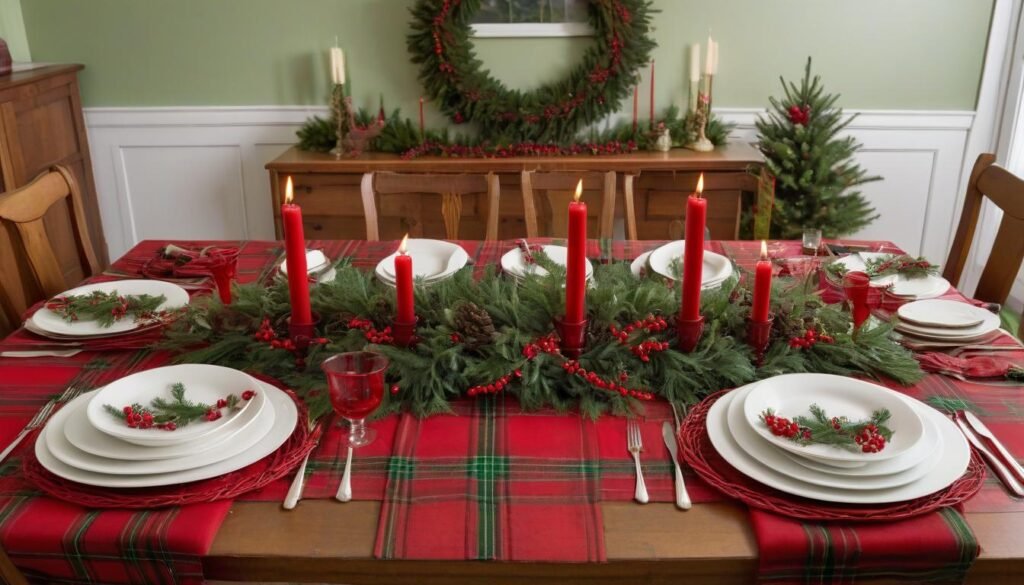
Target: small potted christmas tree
816,176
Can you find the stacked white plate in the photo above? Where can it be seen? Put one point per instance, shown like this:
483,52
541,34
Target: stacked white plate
945,320
318,265
83,442
432,261
925,287
926,453
515,265
49,324
717,268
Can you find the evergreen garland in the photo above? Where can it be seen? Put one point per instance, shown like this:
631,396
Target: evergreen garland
520,358
815,173
105,308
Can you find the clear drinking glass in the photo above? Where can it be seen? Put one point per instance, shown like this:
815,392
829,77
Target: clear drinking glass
356,383
812,241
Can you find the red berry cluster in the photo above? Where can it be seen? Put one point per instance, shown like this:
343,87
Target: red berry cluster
809,339
546,344
781,426
495,386
137,417
799,114
372,334
573,367
266,334
869,439
651,324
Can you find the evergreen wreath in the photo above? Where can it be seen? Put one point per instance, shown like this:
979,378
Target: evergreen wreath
456,81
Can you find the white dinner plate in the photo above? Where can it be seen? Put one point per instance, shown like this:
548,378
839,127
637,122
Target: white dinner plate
640,268
942,313
286,415
955,458
912,465
66,451
316,261
431,259
990,322
174,297
79,432
790,395
513,263
716,267
204,384
925,287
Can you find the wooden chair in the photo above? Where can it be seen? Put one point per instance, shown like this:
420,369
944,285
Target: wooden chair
25,208
451,188
1006,191
10,574
565,181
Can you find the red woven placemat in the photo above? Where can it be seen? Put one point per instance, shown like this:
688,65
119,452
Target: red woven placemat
701,455
249,478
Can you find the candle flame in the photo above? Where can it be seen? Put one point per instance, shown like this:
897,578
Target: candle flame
402,246
700,185
579,190
289,193
764,250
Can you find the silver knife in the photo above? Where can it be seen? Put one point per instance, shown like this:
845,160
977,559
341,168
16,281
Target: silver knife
682,498
1008,459
993,461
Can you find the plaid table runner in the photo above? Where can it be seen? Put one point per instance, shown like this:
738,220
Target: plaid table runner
499,472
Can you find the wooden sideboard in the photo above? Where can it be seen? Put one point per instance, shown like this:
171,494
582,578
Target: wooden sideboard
328,191
41,125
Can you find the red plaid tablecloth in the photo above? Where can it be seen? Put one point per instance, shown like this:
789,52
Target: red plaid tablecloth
510,485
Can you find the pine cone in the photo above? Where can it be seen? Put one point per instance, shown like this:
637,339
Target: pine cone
474,324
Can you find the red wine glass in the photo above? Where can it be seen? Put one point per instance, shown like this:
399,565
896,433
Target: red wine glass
356,383
224,268
857,285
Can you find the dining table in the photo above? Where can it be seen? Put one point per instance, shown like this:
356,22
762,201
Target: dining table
487,493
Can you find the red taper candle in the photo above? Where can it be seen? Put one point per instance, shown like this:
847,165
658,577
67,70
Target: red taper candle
762,287
693,253
295,256
406,306
576,263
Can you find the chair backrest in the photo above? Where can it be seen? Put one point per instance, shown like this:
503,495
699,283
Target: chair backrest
10,574
451,188
566,181
1006,191
25,208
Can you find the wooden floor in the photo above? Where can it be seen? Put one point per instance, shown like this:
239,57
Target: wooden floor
322,541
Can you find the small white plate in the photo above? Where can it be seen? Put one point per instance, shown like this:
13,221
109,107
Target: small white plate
956,454
203,384
914,464
430,259
716,267
68,452
513,263
791,395
990,322
174,297
315,260
926,287
942,313
286,415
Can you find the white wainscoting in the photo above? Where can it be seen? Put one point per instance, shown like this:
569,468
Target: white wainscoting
199,172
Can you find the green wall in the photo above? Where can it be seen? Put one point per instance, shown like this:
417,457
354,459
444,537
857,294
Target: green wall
12,29
880,54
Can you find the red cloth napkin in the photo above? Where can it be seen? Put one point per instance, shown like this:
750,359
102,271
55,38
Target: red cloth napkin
980,366
177,261
937,547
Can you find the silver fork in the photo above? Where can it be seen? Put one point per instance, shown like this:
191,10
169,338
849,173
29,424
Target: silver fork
635,444
41,417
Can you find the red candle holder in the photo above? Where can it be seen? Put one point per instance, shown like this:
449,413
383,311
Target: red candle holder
758,335
302,335
689,332
857,286
573,336
404,332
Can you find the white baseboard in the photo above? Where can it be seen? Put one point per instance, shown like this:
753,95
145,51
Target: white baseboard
198,172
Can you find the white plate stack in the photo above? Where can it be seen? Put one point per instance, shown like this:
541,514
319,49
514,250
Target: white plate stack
318,266
941,320
515,264
925,454
49,324
664,260
925,287
432,261
84,443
